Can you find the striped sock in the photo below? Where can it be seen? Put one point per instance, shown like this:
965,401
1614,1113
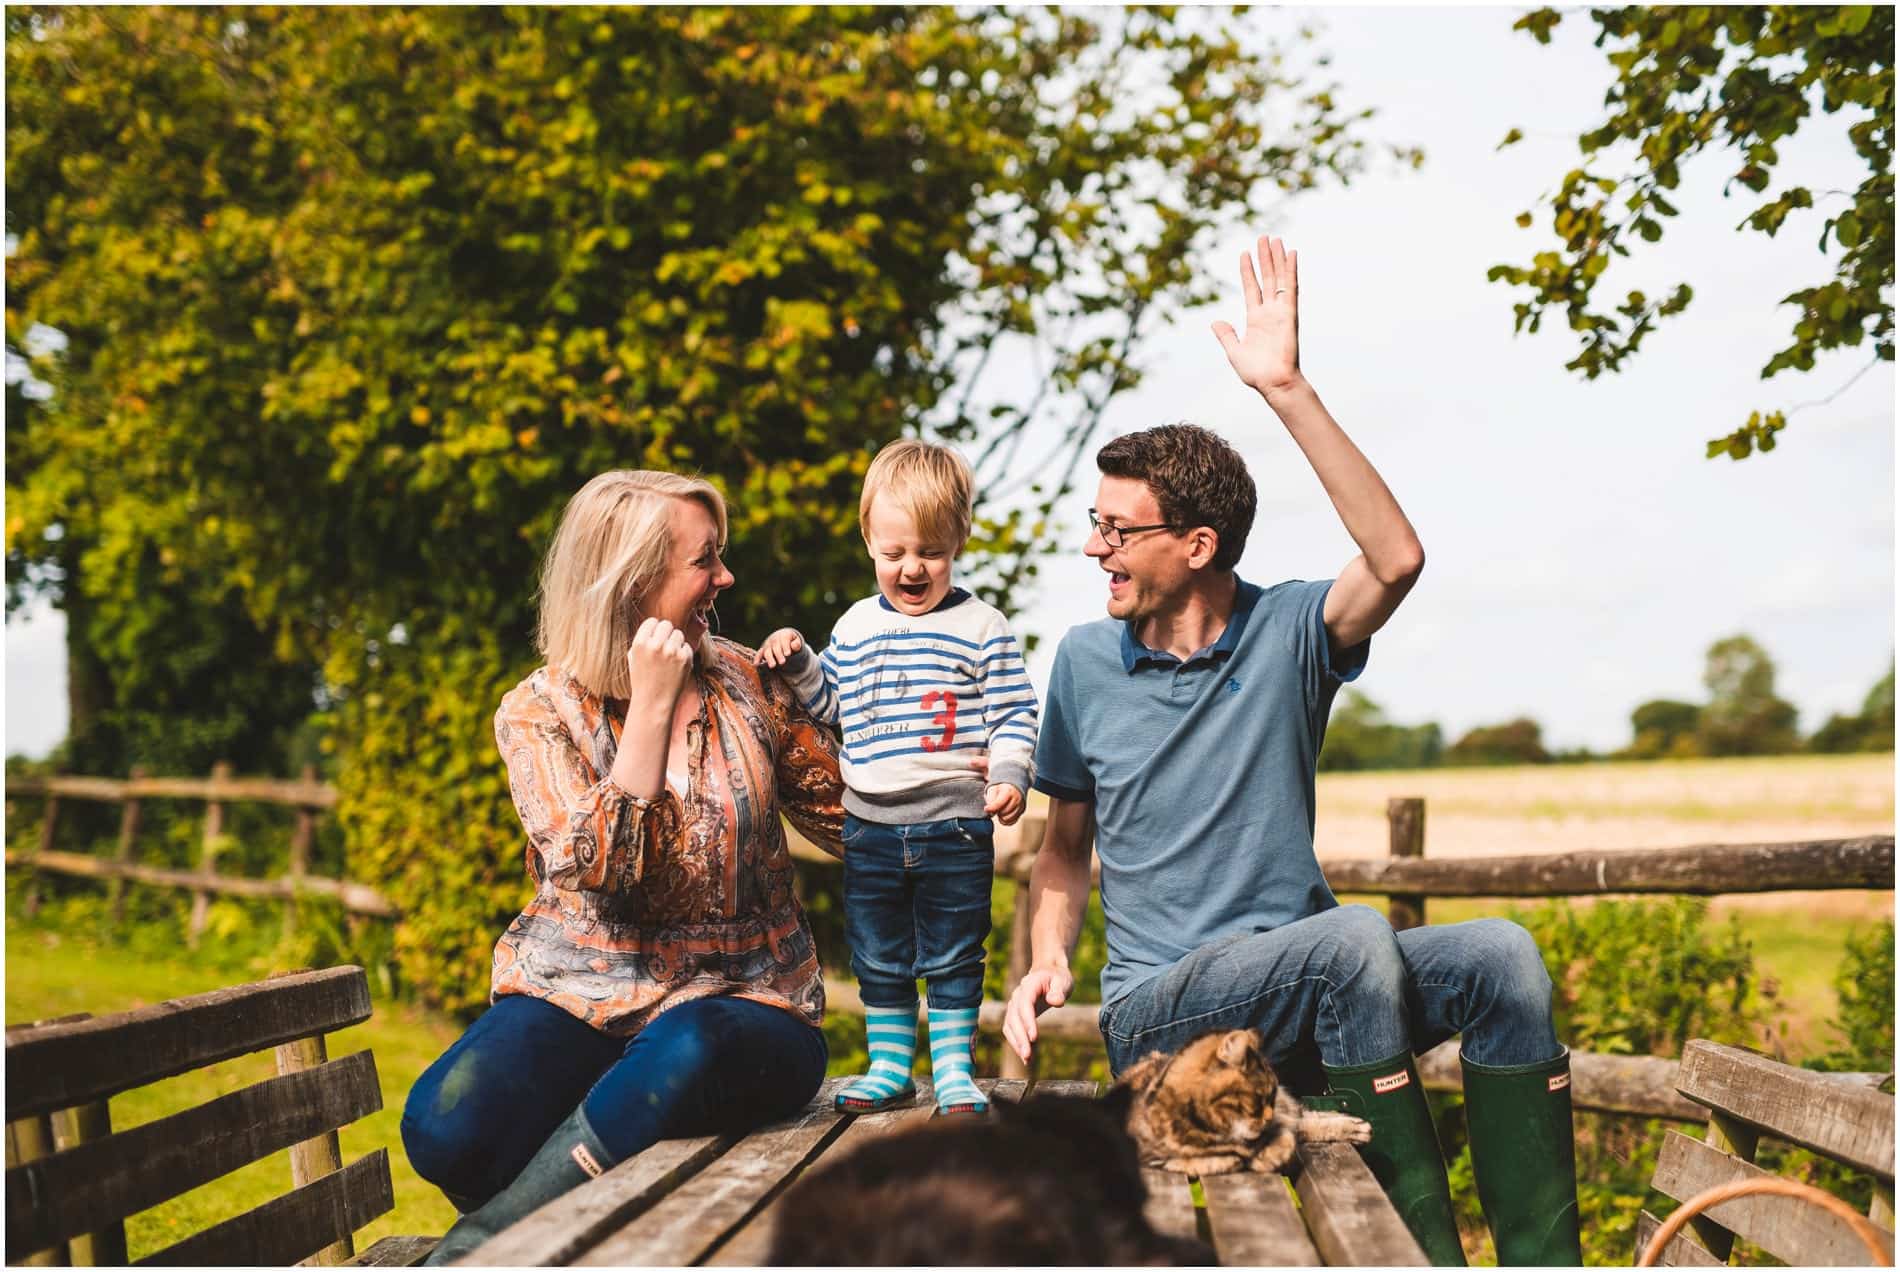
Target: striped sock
891,1034
951,1031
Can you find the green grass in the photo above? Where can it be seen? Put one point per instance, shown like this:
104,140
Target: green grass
57,970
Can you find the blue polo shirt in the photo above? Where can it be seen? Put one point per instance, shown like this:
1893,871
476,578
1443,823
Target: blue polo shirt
1201,773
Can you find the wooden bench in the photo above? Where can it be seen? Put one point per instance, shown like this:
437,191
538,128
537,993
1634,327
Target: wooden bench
1844,1118
72,1181
709,1201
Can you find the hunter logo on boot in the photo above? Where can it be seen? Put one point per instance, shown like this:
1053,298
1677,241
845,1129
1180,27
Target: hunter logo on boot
1561,1081
585,1160
1391,1082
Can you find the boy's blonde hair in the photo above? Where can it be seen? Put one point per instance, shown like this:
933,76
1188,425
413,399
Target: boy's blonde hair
614,543
931,484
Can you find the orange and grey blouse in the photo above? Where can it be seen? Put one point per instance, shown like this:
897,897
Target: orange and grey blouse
643,905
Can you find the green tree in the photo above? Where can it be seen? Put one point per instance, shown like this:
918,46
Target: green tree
1519,741
1870,730
1359,736
1663,728
1742,78
356,298
1743,717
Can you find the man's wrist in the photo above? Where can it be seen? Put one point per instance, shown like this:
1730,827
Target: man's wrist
1284,393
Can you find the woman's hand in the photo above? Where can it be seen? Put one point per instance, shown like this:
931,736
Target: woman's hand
1003,802
1267,358
659,663
778,648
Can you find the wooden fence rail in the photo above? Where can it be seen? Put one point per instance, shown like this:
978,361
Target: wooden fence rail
1635,1085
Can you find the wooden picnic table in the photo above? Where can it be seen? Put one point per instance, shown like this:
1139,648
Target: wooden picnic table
710,1201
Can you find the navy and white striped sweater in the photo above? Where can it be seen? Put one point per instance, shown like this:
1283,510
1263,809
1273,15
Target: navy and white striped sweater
915,698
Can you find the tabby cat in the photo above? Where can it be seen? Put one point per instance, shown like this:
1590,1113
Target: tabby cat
1215,1106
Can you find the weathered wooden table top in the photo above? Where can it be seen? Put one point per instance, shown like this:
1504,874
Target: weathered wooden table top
710,1201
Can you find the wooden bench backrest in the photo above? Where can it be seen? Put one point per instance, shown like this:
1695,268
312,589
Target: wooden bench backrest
1750,1097
79,1196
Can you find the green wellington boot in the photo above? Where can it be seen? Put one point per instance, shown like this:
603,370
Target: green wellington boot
1524,1154
572,1156
1404,1153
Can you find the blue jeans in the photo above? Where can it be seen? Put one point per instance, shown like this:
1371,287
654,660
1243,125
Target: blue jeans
710,1066
917,904
1344,985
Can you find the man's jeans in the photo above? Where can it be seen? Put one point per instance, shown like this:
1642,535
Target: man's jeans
917,904
1343,983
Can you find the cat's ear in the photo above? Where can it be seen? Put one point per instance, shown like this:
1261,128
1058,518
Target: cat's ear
1144,1072
1234,1048
1118,1101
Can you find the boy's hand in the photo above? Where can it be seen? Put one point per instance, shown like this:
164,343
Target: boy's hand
778,648
1003,802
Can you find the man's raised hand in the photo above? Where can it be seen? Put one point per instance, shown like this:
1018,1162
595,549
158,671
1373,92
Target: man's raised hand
1039,989
1267,358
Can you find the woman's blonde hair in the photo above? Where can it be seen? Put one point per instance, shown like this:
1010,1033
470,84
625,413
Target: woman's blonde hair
614,543
931,484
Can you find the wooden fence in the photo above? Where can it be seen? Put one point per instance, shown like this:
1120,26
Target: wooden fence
1635,1085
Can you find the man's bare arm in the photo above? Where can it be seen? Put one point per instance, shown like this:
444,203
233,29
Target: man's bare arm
1058,898
1390,556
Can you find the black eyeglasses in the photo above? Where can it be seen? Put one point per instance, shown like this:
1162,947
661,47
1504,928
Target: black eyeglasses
1113,535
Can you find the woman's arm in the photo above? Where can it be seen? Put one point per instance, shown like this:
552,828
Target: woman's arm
809,787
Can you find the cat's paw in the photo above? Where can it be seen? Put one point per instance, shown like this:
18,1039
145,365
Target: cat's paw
1336,1127
1274,1156
1224,1164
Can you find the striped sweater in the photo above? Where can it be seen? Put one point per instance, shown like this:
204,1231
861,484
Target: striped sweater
915,698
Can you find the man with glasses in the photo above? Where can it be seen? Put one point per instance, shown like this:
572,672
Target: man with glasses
1180,739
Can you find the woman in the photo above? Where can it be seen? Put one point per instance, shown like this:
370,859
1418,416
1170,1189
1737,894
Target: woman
663,981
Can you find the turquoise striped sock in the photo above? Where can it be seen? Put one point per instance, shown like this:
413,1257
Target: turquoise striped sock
891,1035
951,1032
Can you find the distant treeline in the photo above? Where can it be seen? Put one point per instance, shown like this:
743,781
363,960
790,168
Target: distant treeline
1743,716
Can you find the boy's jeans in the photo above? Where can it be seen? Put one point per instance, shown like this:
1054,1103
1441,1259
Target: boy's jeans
1344,983
917,904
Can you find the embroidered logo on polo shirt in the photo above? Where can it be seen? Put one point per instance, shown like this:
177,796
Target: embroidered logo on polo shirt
1391,1082
585,1160
1233,686
1561,1081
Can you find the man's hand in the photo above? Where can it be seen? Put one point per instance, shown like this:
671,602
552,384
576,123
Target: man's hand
778,648
1003,802
1267,358
1040,989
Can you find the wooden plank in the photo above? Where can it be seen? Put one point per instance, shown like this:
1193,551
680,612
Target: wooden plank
246,790
570,1225
104,1247
314,1158
1792,1230
1253,1222
1170,1210
1701,870
749,1246
1405,826
62,1065
395,1252
1679,1253
1349,1216
1842,1120
697,1216
318,1216
357,898
28,1140
1013,1065
90,1185
1643,1086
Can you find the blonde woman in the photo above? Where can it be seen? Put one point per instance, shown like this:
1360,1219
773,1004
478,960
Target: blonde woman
663,982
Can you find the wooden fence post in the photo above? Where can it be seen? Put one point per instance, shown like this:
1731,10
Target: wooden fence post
314,1158
1019,950
30,1139
300,841
46,846
1405,819
208,860
104,1248
128,833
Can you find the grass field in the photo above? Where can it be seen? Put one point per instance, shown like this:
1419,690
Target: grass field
1798,938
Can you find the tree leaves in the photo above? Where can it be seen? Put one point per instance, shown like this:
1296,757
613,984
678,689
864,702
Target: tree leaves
1692,79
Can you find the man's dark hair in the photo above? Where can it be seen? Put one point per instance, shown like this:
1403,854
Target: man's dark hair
1198,479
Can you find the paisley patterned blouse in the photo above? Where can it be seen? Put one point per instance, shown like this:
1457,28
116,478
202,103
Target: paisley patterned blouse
640,909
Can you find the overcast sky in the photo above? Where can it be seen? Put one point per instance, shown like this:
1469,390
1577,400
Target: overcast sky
1581,554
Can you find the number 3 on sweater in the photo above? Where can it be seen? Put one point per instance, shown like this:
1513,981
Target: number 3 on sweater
947,718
